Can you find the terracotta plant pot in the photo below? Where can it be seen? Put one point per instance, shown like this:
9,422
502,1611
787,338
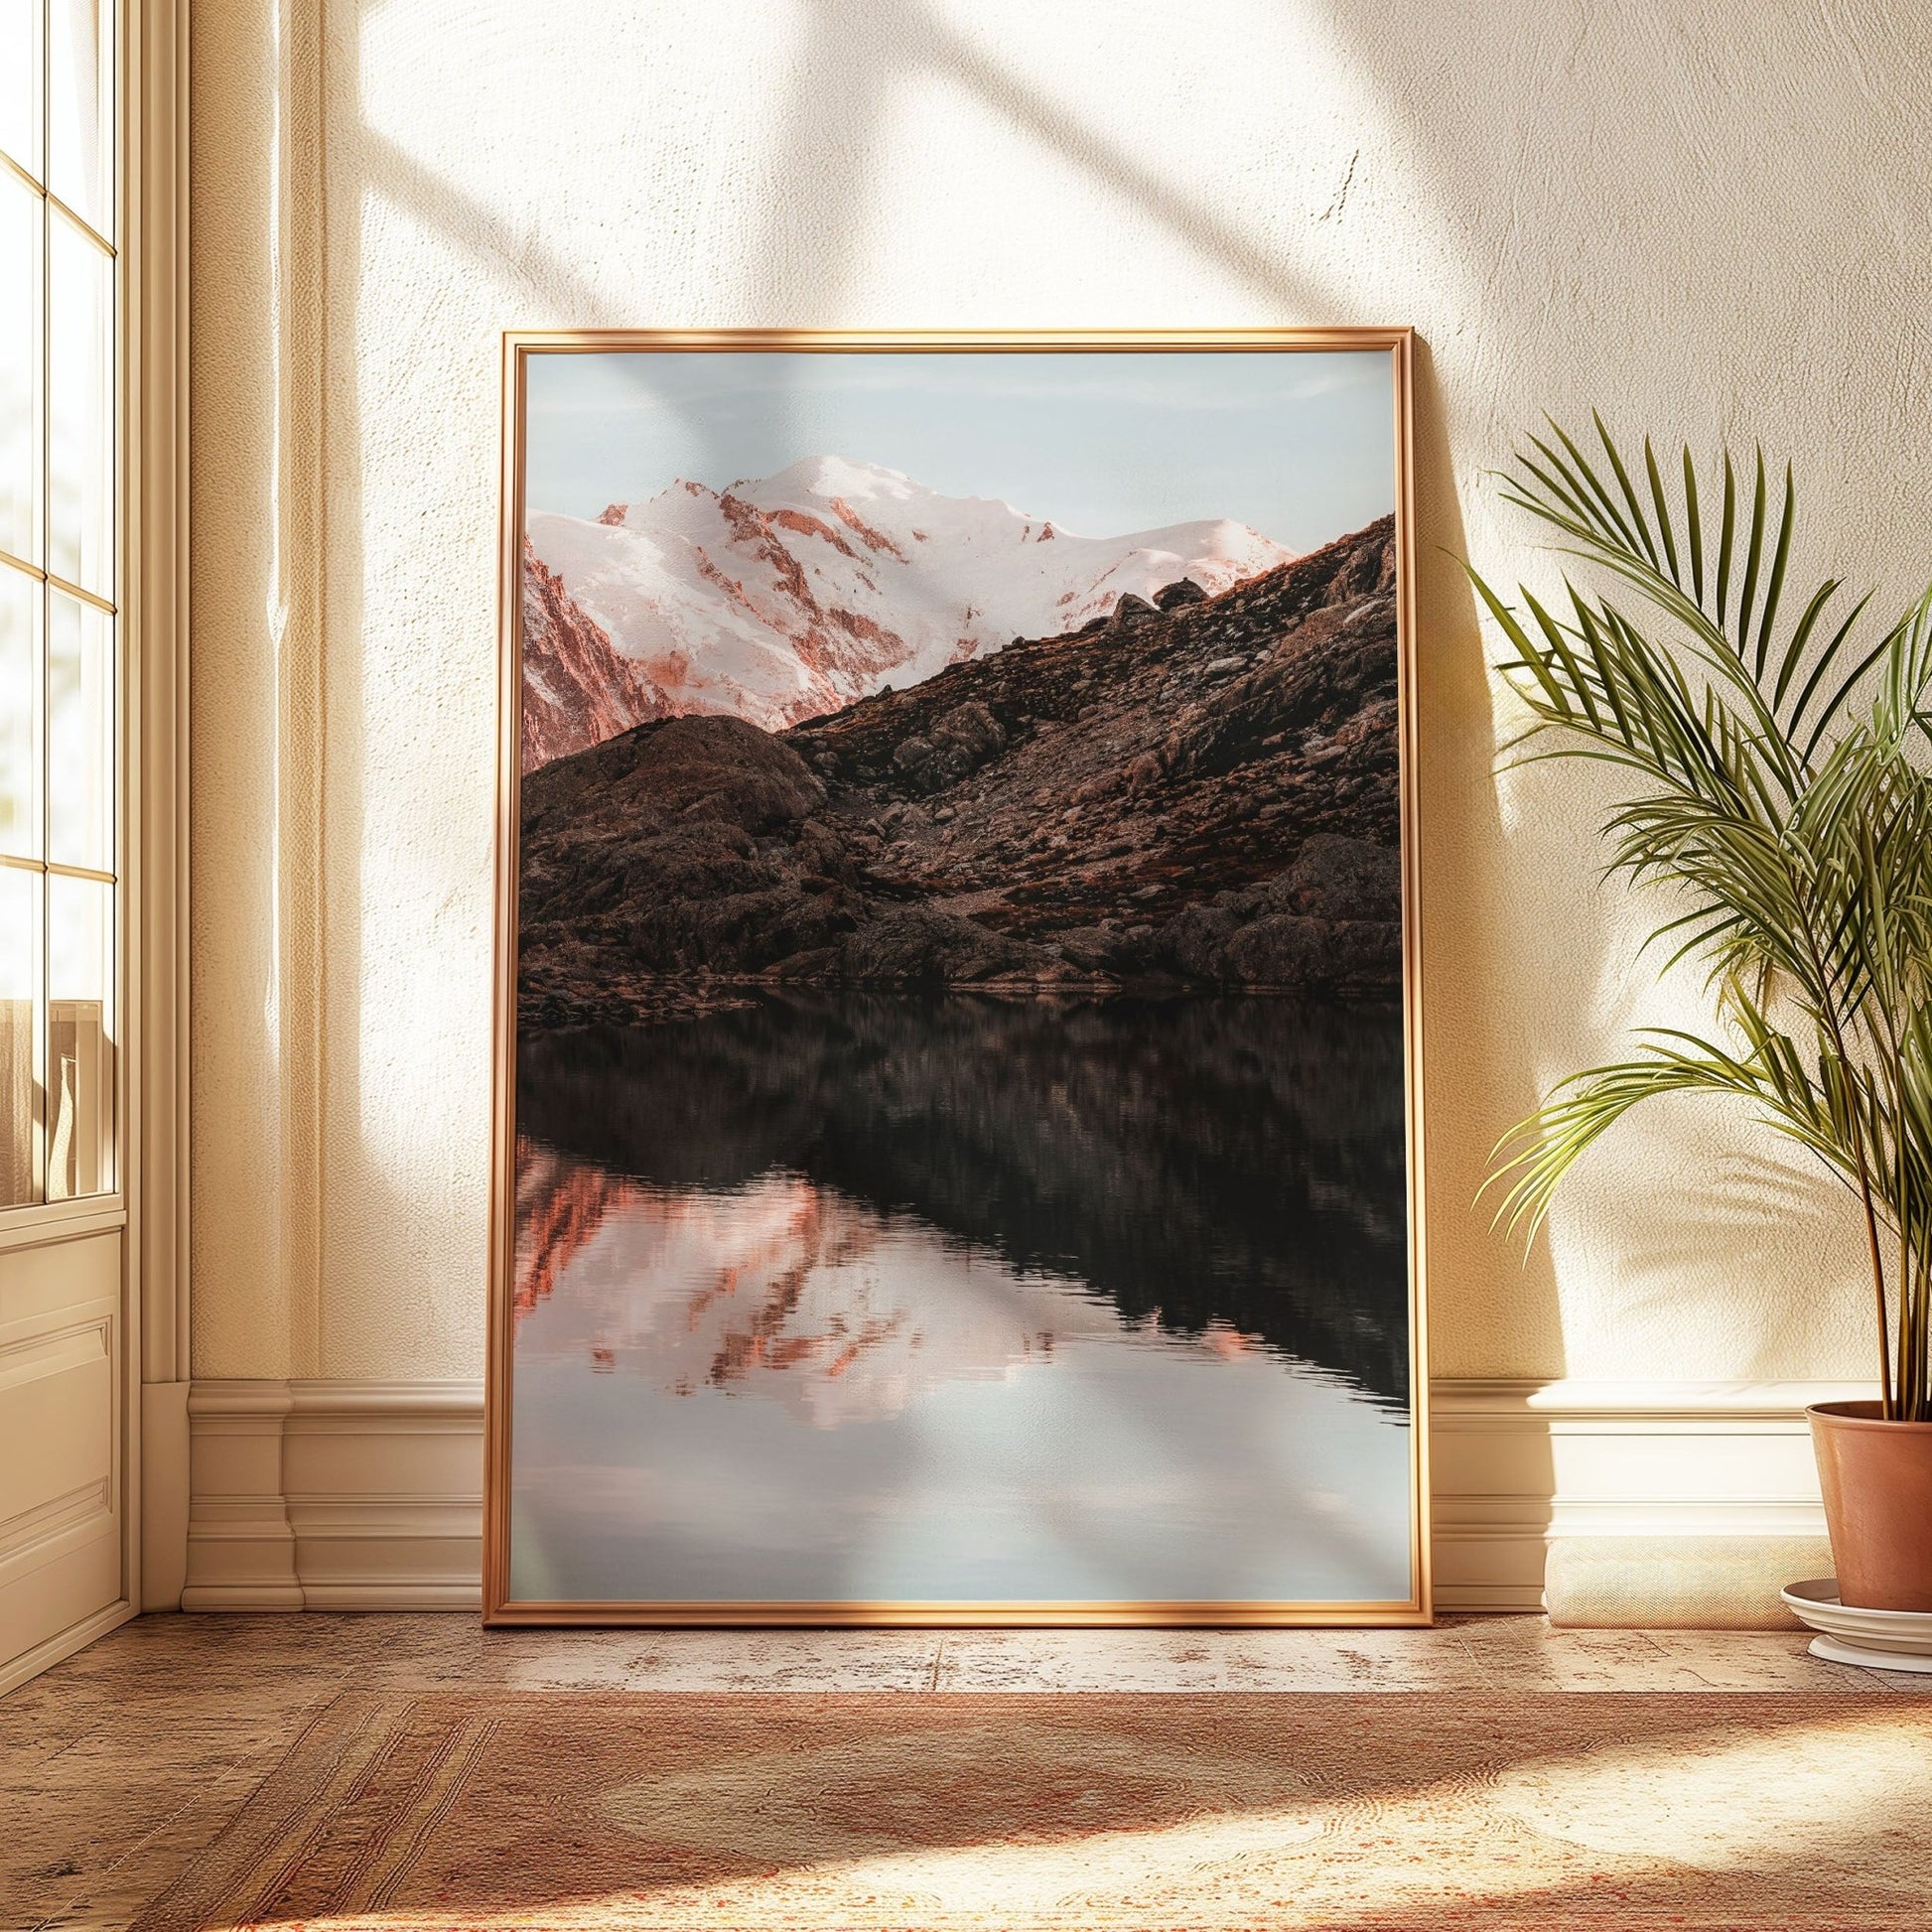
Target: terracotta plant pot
1876,1476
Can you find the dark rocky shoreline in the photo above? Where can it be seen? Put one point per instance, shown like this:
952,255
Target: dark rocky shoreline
1196,1159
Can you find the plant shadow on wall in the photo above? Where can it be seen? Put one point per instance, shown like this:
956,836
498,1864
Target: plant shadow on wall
1772,756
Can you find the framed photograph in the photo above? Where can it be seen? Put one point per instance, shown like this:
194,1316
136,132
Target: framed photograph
958,1142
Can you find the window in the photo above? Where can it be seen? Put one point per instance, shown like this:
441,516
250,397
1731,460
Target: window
59,631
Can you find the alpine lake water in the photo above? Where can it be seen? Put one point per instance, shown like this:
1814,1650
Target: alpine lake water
855,1297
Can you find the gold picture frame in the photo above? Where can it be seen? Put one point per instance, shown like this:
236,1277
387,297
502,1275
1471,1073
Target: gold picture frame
501,1608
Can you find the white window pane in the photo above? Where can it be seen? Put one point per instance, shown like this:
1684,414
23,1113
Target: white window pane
19,84
79,111
80,733
20,952
20,232
19,709
80,1036
80,404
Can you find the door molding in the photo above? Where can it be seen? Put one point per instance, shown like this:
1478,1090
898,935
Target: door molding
156,486
44,1656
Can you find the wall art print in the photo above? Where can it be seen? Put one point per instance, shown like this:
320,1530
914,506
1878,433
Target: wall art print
957,1017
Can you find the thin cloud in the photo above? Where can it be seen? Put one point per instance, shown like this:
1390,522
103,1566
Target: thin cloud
1297,444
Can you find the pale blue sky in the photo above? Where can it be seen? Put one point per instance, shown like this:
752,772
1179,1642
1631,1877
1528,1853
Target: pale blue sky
1297,444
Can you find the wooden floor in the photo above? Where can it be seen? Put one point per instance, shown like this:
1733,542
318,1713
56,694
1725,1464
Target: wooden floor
119,1765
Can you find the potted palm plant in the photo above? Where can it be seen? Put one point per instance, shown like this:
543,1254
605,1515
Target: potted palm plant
1773,751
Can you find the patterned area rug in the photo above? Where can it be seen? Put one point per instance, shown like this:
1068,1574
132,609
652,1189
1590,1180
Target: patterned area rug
569,1811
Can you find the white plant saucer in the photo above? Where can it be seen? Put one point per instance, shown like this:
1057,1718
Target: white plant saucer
1872,1639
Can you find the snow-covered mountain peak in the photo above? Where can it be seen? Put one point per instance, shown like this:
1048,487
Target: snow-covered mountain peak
829,477
787,596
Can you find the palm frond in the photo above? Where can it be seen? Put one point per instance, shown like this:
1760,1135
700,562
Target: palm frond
1607,520
1776,789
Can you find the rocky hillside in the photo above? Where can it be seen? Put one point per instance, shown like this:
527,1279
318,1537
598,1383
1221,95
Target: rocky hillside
1195,790
784,596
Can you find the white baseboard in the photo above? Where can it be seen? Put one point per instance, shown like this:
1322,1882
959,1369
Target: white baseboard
1626,1502
334,1496
1660,1502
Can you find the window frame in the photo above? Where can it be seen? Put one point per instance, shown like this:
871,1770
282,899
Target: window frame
25,1224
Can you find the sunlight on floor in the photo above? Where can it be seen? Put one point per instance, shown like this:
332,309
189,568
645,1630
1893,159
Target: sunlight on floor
1839,1798
1832,1804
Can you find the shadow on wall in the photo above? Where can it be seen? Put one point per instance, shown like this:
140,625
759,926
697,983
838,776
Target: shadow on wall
831,131
1518,885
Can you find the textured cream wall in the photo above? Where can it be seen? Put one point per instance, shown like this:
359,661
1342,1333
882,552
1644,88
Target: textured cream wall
1708,219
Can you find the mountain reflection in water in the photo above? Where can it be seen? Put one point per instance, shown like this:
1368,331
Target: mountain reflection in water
963,1298
794,1292
1211,1165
